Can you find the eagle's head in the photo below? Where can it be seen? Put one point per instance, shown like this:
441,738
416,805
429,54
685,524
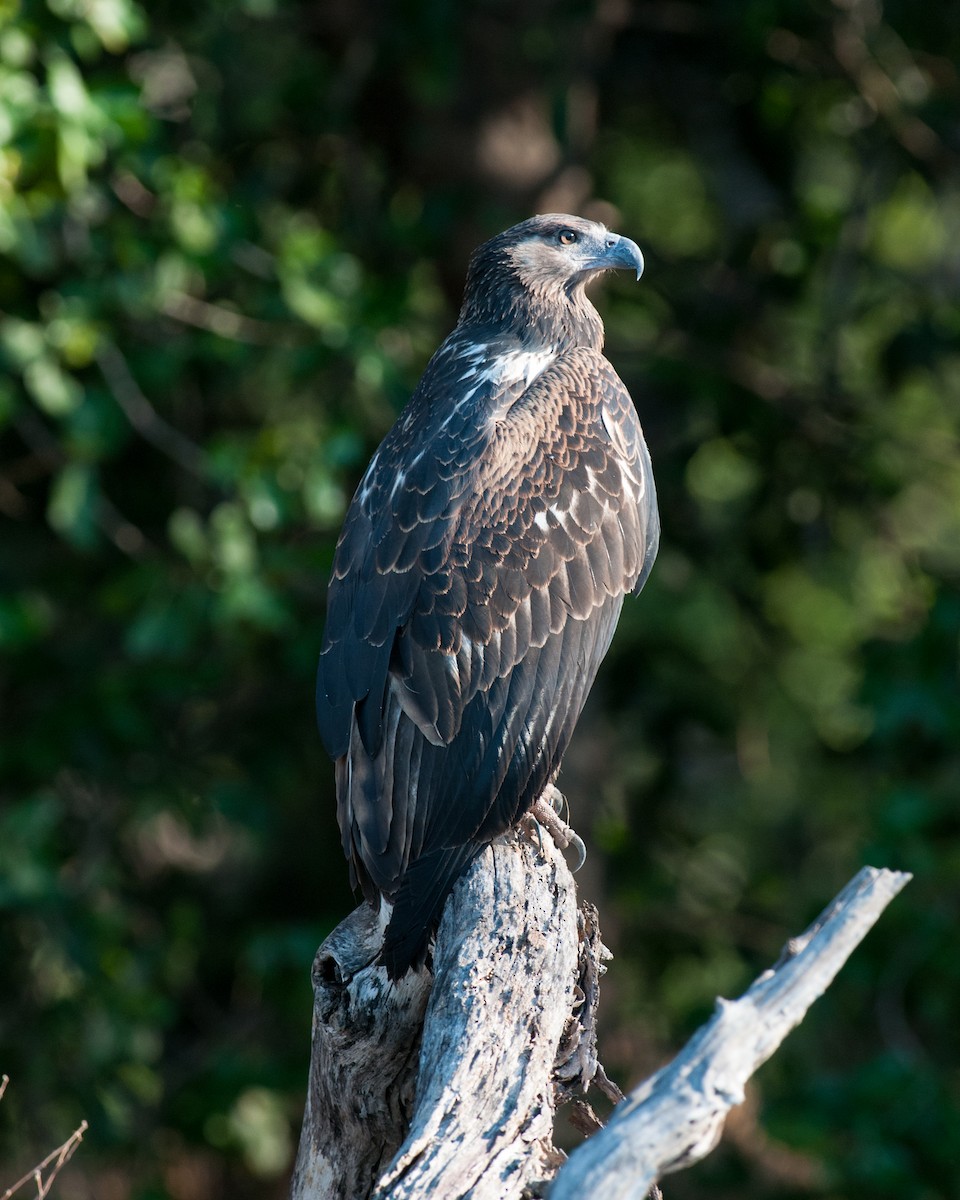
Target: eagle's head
530,279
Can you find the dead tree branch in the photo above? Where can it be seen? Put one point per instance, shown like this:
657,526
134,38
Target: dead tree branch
505,960
675,1118
446,1087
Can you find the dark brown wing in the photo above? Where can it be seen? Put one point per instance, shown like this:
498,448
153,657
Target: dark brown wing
470,609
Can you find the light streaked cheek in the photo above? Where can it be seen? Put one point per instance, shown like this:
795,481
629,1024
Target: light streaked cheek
538,264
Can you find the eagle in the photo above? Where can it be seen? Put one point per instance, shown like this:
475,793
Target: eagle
480,574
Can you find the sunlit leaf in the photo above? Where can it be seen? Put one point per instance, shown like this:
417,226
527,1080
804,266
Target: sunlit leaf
72,510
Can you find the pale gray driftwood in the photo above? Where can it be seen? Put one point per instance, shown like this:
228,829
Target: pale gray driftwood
363,1064
506,958
465,1076
506,996
676,1116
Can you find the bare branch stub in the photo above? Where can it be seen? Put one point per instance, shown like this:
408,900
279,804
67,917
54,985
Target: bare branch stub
509,1033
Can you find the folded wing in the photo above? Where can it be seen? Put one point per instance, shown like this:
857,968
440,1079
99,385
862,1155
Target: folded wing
476,588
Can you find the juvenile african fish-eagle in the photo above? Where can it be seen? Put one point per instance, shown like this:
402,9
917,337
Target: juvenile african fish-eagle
480,574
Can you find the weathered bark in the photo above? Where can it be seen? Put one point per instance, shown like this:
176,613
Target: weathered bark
464,1069
503,998
363,1064
503,992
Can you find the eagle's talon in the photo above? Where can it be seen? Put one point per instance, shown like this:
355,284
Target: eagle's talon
554,797
544,814
578,844
534,827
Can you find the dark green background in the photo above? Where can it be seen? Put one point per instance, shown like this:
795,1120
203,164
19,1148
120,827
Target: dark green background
231,234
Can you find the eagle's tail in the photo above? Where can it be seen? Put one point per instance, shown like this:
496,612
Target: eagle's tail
418,906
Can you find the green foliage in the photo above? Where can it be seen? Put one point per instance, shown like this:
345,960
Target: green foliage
230,237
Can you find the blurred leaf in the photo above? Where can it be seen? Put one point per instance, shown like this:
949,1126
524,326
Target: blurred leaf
73,503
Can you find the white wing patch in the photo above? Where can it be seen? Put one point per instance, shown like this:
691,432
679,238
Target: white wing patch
513,366
521,366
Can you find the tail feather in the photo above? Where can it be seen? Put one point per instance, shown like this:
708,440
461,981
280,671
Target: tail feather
418,906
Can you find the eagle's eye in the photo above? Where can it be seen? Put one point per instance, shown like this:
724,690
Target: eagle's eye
566,237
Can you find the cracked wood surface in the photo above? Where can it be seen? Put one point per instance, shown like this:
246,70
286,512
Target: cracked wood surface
483,1123
492,1022
446,1088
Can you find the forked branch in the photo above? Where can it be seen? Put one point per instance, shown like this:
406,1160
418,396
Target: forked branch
42,1176
443,1087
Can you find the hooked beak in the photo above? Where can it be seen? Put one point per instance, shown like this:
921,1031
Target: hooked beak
619,252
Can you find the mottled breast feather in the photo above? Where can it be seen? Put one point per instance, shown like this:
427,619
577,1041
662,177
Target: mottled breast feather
476,587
